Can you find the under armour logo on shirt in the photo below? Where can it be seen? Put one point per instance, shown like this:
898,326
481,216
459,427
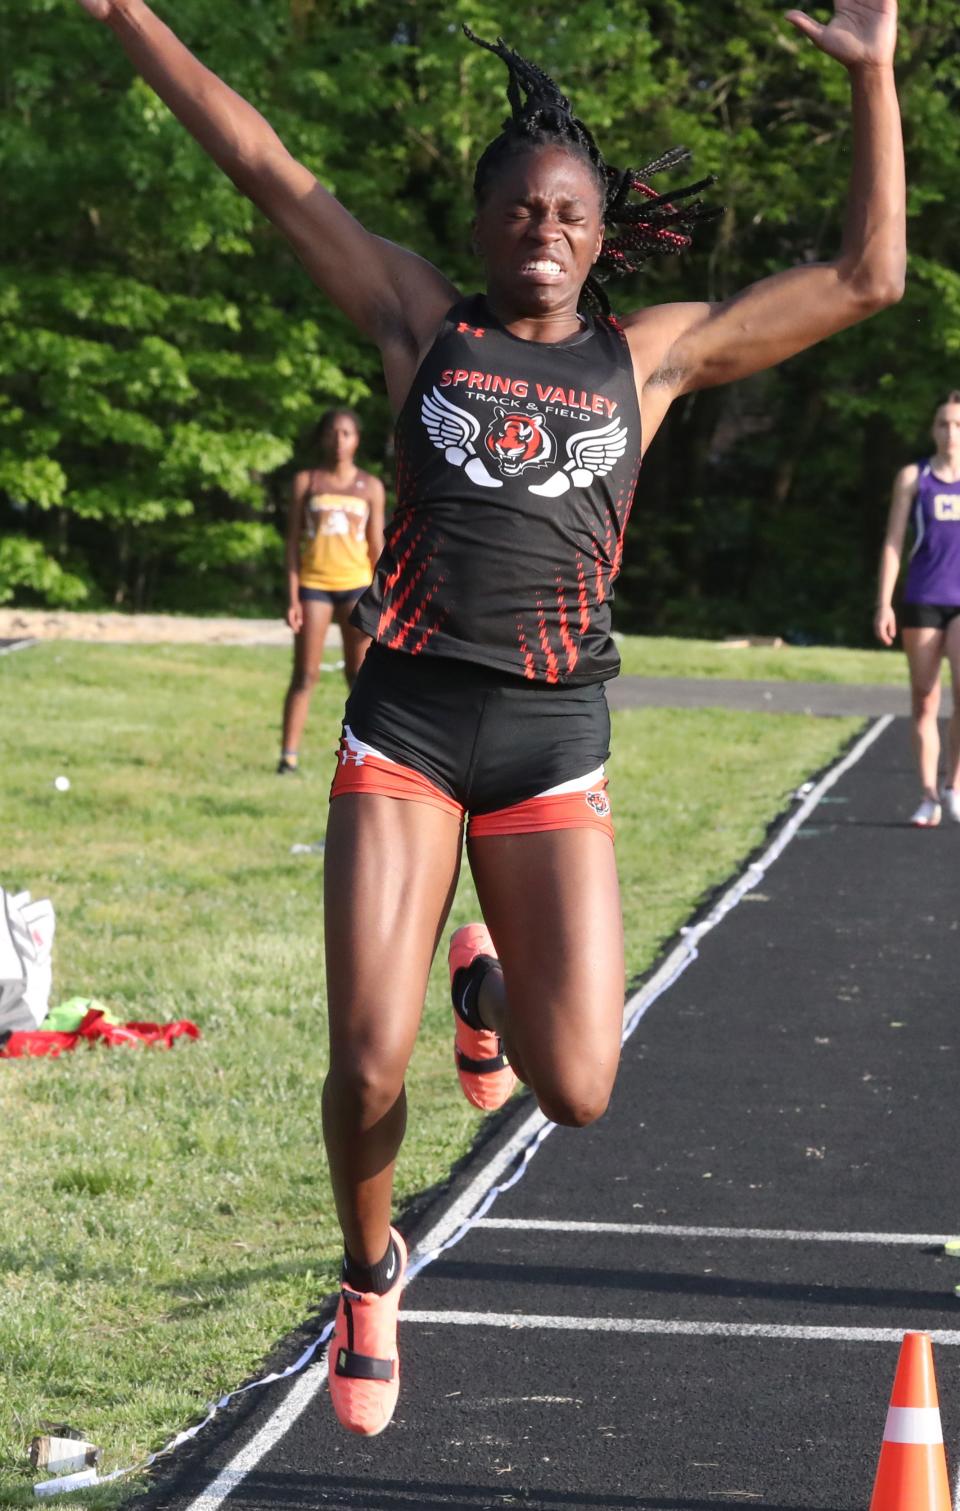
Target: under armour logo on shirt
463,329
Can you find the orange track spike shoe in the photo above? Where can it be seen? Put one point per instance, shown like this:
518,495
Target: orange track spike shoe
484,1070
363,1360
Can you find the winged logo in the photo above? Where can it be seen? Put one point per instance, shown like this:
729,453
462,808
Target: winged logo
454,432
591,454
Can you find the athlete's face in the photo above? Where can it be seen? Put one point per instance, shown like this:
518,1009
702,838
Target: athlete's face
539,230
946,430
339,440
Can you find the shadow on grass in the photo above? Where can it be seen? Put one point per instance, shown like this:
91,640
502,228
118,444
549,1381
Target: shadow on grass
206,1291
56,1265
214,1289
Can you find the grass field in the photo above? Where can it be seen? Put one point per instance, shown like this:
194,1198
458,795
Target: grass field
167,1216
650,656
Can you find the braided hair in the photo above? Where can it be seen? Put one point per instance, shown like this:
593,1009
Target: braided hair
540,116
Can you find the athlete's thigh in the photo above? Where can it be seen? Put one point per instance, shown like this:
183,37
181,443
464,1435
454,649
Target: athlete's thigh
552,904
951,649
308,651
924,648
390,871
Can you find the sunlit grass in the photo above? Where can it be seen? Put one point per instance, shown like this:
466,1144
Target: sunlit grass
652,656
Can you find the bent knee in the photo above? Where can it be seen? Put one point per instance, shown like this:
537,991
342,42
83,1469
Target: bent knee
577,1105
364,1089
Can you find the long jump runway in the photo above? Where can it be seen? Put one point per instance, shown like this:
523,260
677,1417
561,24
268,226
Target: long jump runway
696,1304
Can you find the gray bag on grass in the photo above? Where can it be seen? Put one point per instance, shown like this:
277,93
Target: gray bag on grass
26,946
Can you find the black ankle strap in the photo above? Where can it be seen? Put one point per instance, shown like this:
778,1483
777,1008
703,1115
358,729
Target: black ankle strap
481,1067
353,1366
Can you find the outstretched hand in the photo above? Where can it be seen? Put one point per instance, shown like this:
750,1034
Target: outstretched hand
863,33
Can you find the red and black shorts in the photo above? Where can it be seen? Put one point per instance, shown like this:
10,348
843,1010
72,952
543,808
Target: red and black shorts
518,757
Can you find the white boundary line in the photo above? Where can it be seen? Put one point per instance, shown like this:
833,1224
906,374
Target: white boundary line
477,1198
18,645
671,1328
665,1230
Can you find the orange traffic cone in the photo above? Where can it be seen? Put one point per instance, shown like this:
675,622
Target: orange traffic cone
912,1473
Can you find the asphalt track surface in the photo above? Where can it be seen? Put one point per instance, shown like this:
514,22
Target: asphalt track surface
866,699
796,1089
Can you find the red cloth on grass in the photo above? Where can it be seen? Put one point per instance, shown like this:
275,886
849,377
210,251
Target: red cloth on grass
94,1030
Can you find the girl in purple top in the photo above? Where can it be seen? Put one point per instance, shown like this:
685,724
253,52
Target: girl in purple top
927,496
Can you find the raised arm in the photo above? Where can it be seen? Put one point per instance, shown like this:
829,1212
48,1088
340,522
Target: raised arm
679,348
393,296
904,493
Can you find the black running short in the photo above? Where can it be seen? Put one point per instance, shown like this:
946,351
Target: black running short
928,616
523,755
336,596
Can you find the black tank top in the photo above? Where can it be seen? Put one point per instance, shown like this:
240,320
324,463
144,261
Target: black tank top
516,467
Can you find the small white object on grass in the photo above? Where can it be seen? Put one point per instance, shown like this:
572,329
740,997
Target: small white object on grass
67,1482
61,1456
62,783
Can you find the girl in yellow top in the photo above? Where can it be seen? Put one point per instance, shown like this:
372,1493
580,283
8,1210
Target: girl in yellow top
334,538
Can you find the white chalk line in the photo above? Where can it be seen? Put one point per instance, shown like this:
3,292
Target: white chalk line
669,1230
669,1327
279,1422
477,1198
18,645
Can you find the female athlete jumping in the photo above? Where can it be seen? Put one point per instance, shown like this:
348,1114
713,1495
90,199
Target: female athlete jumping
927,496
522,415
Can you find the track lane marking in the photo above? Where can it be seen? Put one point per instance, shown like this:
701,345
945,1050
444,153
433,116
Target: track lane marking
279,1422
668,1230
670,1327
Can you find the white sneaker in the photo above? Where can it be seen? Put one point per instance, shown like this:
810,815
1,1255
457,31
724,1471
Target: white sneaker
951,801
927,815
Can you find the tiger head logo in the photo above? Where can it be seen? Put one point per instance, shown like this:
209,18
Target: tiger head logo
599,802
517,441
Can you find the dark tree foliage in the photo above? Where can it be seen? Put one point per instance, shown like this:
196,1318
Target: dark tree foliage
163,357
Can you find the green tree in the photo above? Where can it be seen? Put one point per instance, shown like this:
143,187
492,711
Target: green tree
163,354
